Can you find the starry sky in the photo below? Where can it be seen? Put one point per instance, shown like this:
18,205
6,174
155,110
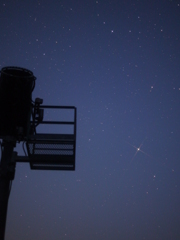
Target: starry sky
118,62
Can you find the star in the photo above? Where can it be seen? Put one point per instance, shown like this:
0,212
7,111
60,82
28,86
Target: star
138,149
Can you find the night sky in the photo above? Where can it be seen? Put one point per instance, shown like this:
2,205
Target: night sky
118,62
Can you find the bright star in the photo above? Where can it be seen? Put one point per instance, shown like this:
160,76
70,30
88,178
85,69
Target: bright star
138,149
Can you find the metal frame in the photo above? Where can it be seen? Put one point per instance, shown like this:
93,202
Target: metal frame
51,151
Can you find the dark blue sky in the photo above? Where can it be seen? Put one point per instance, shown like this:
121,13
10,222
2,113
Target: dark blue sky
118,62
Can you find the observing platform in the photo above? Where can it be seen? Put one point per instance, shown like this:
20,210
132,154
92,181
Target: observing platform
50,143
52,151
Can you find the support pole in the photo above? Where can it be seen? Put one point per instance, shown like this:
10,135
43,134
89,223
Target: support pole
7,171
